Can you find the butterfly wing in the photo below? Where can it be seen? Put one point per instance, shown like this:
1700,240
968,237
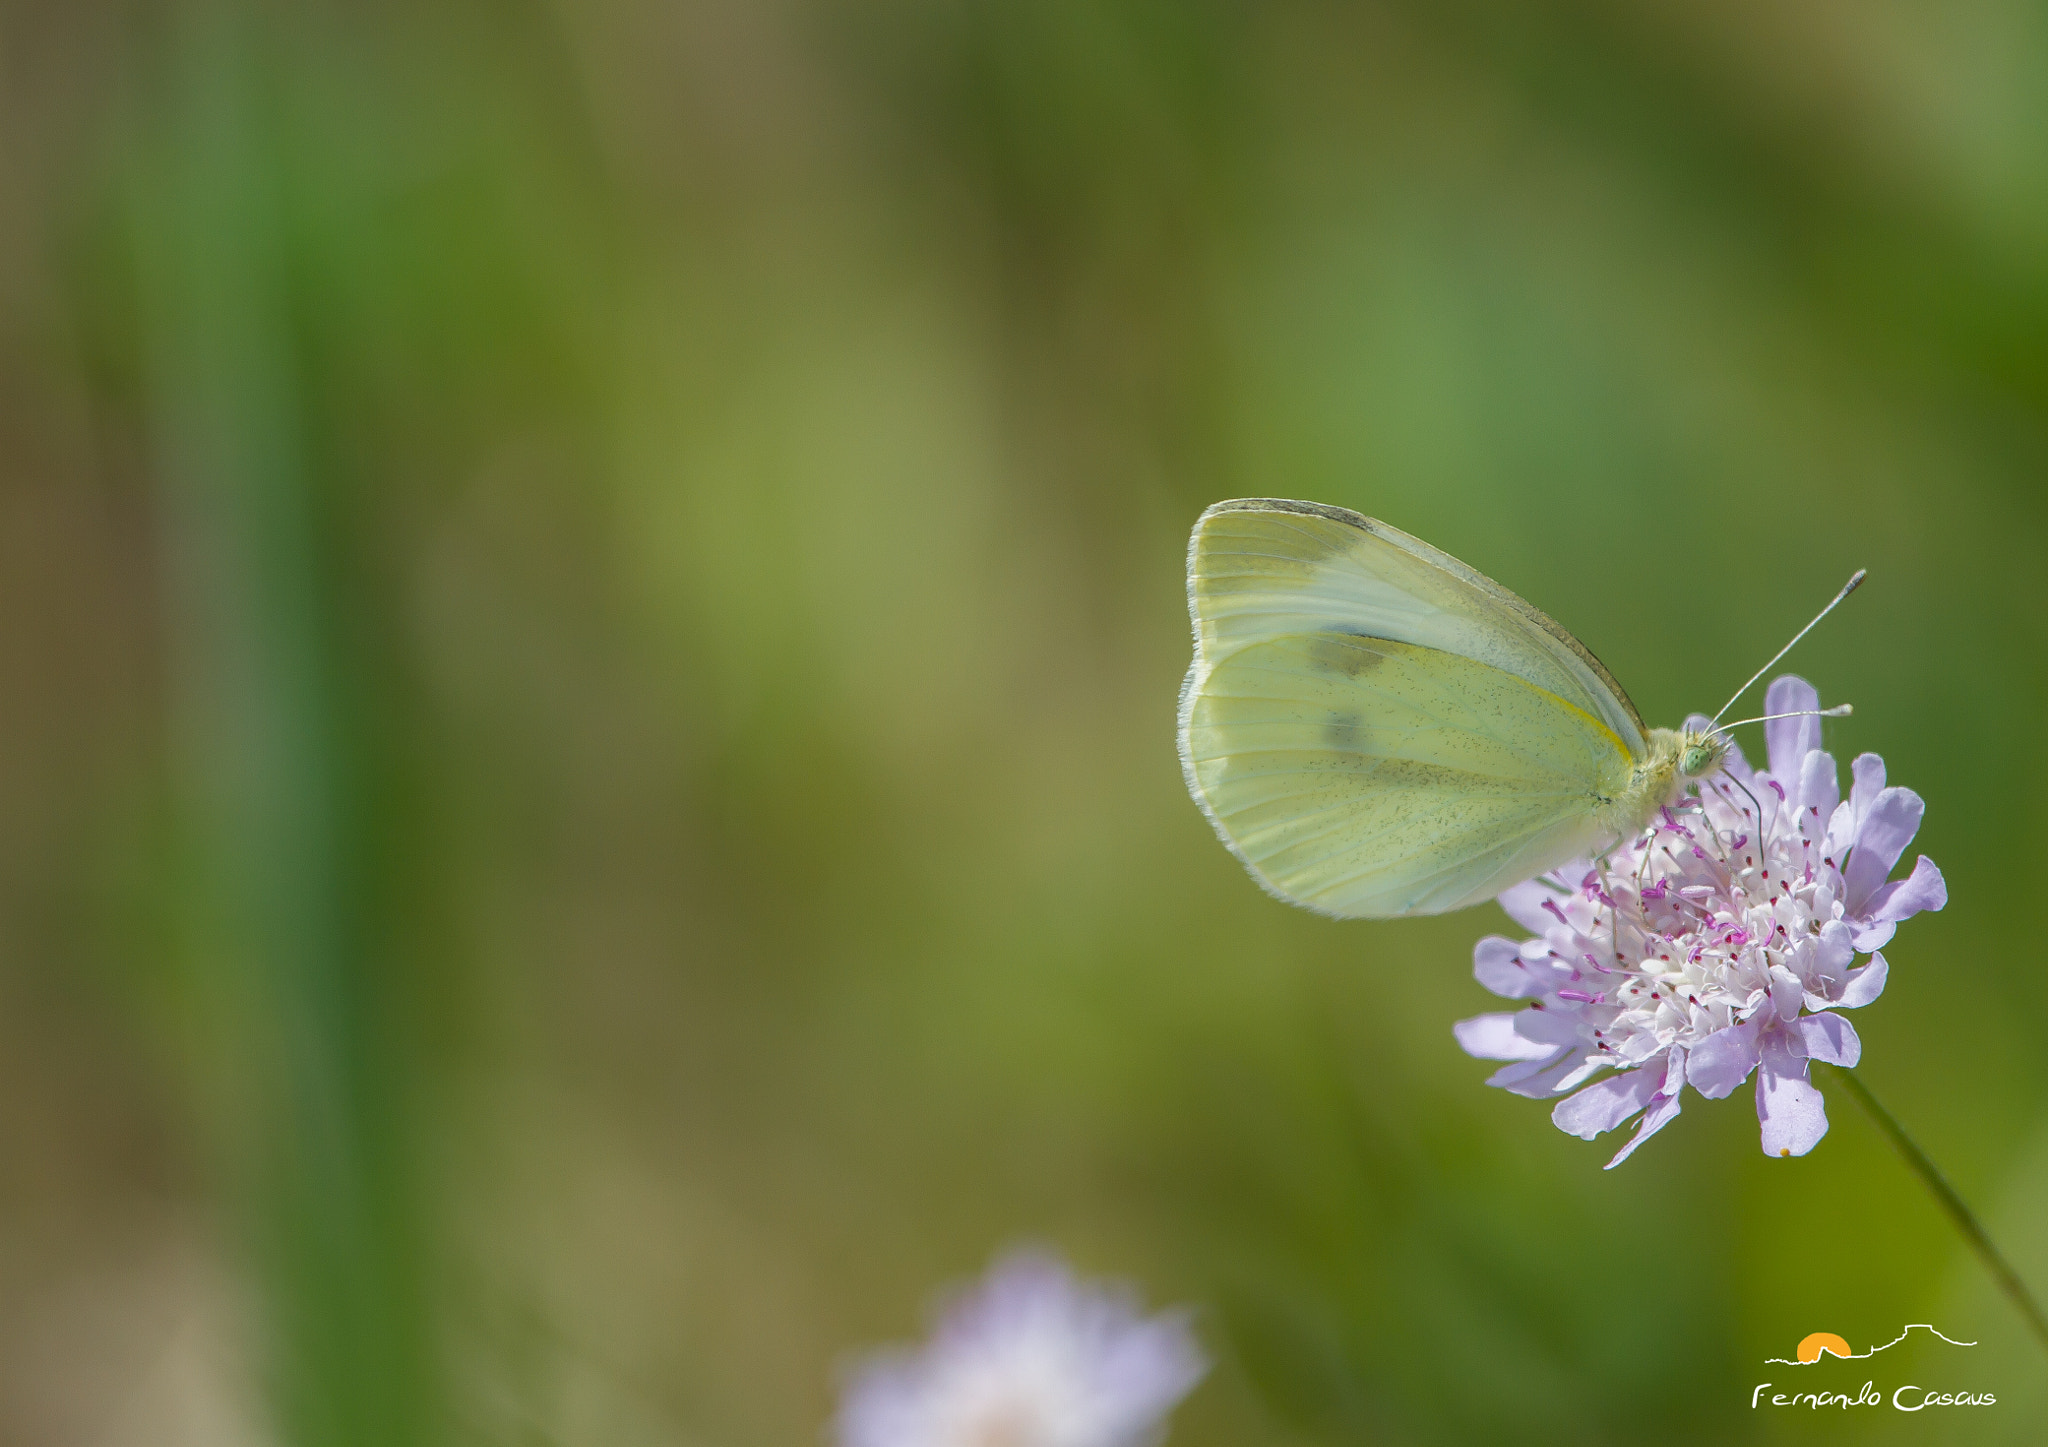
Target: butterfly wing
1374,728
1264,567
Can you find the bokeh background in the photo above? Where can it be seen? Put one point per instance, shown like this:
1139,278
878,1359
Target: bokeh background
590,612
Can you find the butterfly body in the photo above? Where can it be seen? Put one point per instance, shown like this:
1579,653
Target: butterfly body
1674,759
1376,729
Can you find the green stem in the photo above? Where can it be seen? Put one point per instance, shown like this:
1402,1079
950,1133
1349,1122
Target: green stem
1958,1210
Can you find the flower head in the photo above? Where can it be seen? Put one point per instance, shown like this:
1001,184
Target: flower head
1030,1357
1717,943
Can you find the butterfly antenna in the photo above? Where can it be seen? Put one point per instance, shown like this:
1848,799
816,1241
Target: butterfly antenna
1840,710
1847,588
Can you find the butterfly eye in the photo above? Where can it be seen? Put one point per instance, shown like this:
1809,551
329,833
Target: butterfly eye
1701,757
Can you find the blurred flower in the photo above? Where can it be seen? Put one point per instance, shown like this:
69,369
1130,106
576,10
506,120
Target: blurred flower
1715,944
1030,1357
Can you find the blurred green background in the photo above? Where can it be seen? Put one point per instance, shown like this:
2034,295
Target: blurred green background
591,605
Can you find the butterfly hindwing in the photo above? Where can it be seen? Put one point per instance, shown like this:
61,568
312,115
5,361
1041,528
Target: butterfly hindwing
1364,777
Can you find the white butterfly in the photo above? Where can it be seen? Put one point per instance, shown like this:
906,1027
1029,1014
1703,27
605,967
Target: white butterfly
1376,729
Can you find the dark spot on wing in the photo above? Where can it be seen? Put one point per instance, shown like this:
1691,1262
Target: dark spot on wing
1343,731
1350,654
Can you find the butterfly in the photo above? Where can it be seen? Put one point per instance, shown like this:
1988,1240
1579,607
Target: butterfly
1376,729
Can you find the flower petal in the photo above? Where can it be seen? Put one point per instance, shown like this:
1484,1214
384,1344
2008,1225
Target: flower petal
1864,985
1722,1061
1868,772
1535,1078
1592,1065
1551,1027
1841,830
1605,1104
1787,994
1524,901
1493,1037
1524,904
1830,1039
1498,964
1150,1366
1924,888
1790,1111
1888,827
1791,739
1875,936
1836,950
1663,1110
1833,952
1820,790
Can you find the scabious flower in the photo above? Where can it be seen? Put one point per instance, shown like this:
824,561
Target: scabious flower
1030,1357
1717,943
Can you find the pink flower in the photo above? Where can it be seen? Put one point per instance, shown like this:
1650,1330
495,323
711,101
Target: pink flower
1716,944
1030,1357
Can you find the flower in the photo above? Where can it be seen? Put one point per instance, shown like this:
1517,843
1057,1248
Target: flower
1717,943
1030,1357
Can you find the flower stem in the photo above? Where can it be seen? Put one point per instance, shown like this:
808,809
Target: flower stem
1958,1210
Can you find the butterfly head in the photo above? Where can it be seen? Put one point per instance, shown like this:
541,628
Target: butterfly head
1700,752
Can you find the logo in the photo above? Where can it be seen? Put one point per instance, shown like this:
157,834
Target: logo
1826,1343
1820,1346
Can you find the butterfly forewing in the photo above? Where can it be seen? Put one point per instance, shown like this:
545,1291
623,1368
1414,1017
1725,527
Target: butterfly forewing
1375,735
1261,568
